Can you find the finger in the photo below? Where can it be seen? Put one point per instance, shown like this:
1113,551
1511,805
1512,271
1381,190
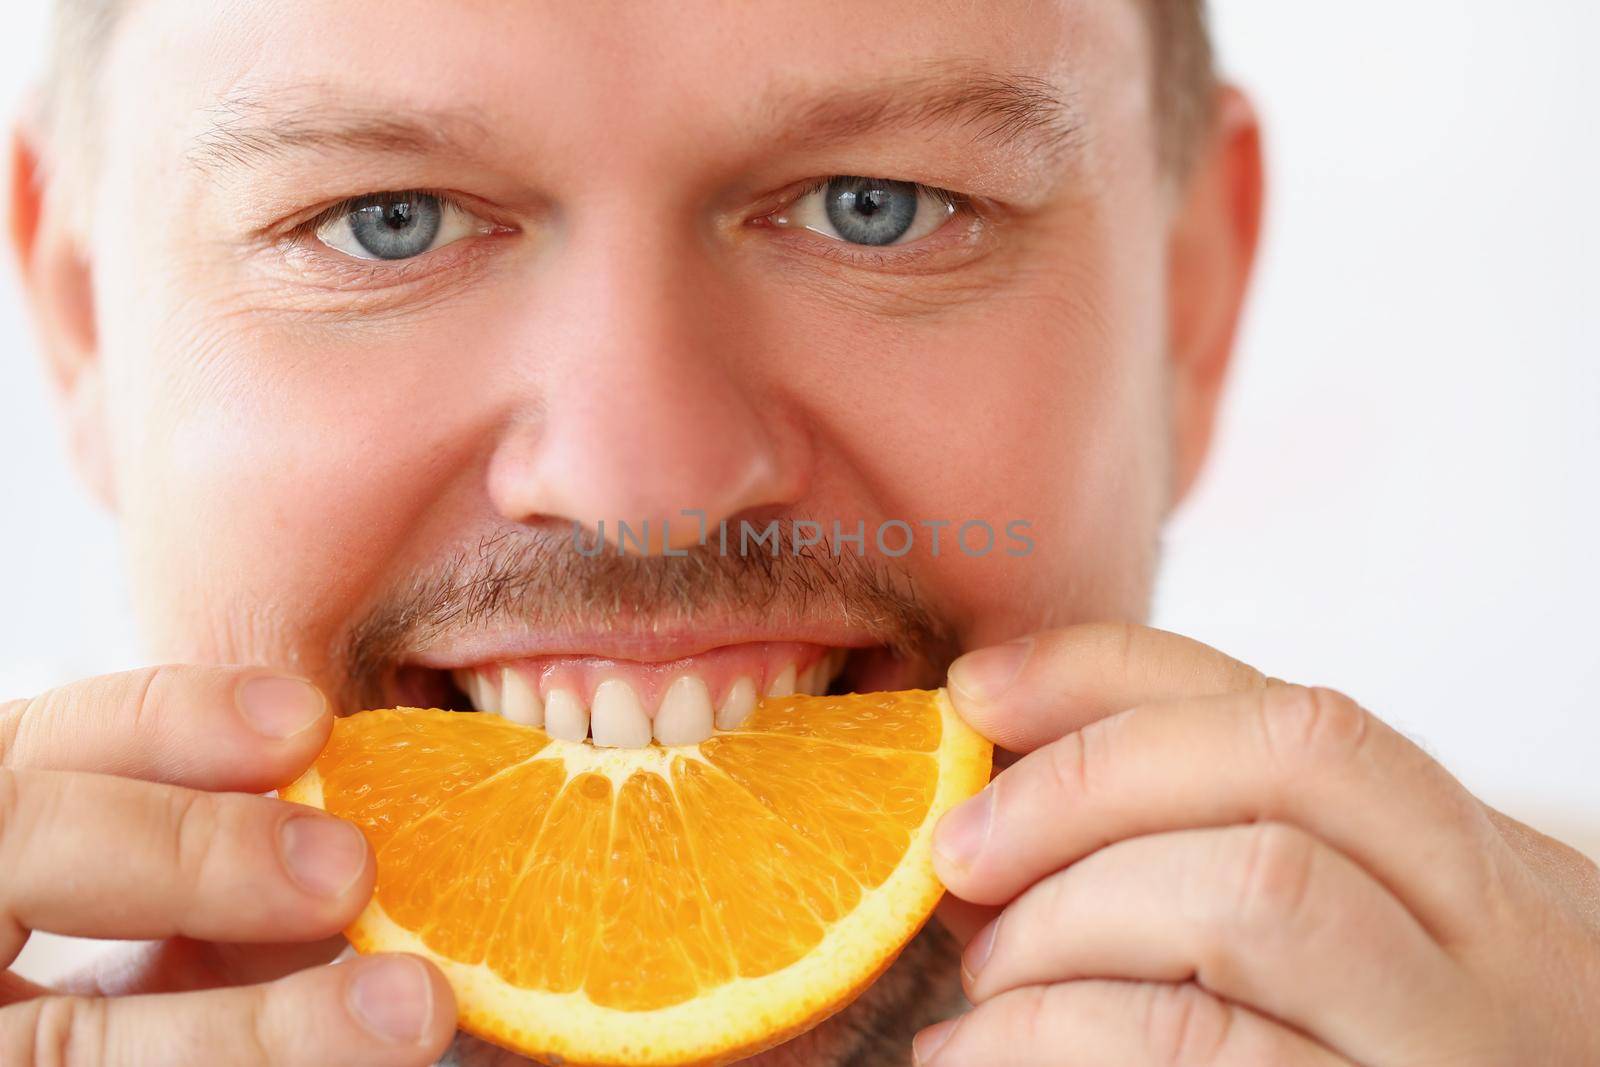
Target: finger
1029,692
1264,915
14,987
962,918
212,728
181,964
96,856
1312,758
383,1011
1115,1024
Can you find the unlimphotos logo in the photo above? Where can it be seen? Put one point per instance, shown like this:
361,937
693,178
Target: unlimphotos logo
893,538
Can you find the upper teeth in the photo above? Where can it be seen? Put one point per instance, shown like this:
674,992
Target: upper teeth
616,716
519,699
737,705
783,684
684,717
564,715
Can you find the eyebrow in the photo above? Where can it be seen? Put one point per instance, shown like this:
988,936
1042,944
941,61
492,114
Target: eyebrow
1006,110
245,130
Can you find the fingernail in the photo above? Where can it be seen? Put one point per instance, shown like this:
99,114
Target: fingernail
977,953
926,1045
962,832
279,705
986,674
323,854
392,997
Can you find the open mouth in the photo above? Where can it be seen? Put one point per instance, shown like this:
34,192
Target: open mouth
628,703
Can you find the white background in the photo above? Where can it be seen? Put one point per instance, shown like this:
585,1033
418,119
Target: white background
1403,504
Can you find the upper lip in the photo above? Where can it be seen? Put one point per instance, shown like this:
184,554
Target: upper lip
468,649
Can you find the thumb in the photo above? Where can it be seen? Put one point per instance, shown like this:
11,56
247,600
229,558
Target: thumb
181,964
1029,692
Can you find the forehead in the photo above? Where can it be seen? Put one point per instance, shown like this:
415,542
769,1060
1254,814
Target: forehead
573,76
424,40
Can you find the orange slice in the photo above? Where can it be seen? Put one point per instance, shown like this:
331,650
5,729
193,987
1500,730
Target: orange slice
668,906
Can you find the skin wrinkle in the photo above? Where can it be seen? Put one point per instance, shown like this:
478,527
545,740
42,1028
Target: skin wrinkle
844,289
1018,115
283,293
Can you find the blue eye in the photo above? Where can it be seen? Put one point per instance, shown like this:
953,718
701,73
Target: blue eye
870,211
397,229
394,226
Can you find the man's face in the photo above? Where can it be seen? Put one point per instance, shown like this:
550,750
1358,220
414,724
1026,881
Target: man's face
295,433
623,286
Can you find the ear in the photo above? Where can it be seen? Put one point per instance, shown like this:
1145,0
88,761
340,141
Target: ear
1213,246
58,284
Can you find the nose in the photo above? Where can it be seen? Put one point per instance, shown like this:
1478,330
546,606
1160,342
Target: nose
646,403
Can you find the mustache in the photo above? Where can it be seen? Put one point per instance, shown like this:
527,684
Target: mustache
534,578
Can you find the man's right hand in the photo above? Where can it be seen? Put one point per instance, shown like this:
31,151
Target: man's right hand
125,812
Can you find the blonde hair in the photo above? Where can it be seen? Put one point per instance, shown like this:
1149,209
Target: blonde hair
1185,77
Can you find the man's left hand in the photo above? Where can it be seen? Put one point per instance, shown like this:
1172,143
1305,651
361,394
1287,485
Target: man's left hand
1194,864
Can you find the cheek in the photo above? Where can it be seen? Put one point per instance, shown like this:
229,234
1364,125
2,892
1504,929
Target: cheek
273,477
1040,405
